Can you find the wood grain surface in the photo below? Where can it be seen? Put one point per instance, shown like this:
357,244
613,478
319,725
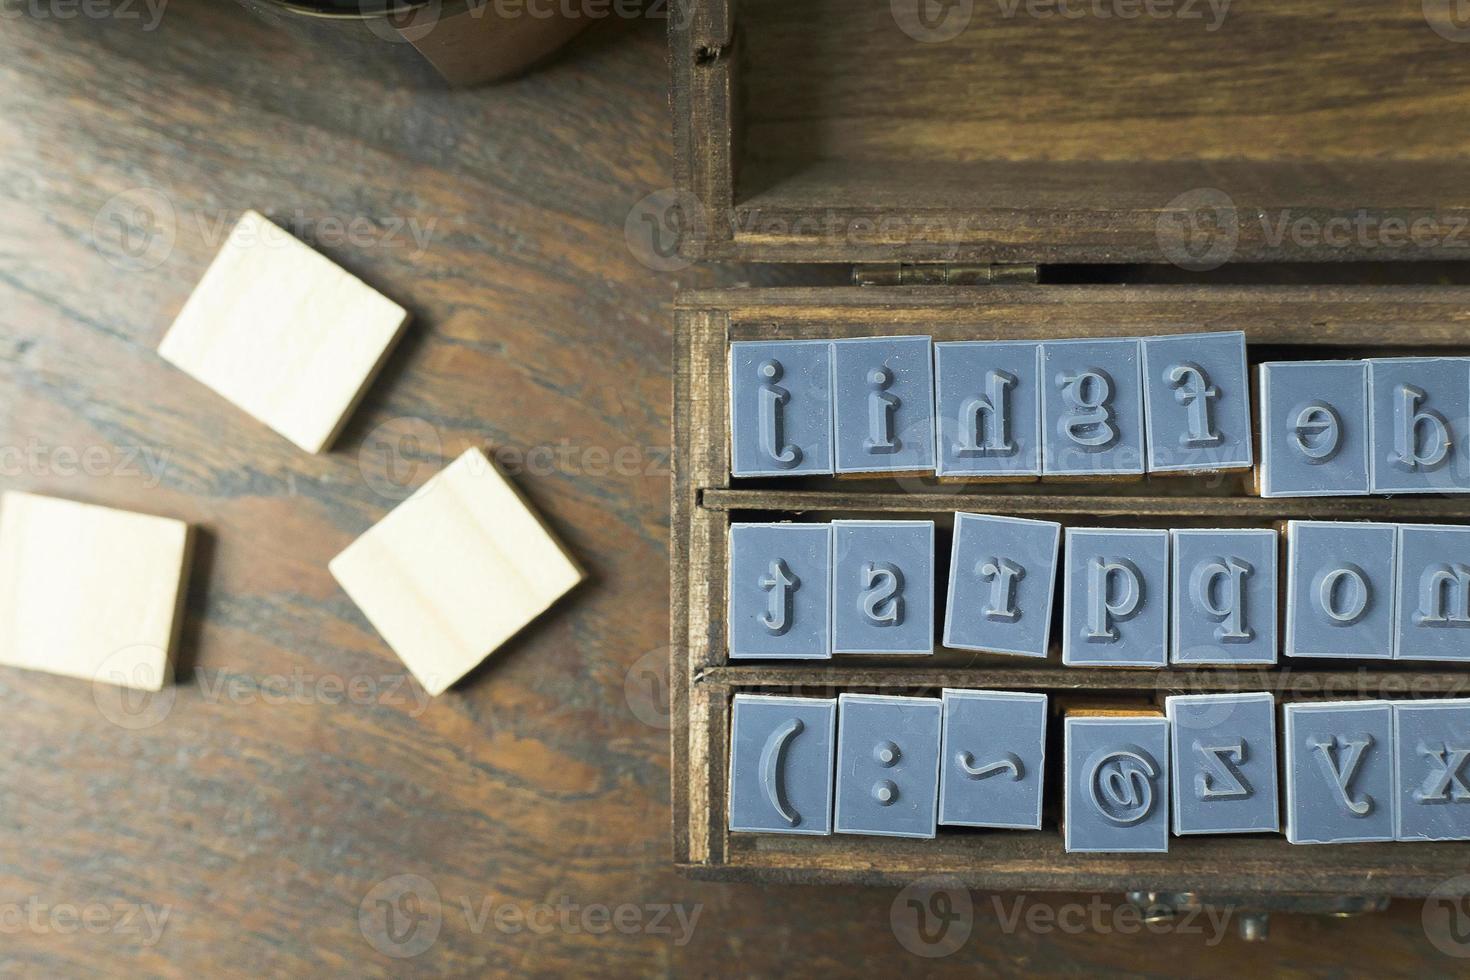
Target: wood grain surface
257,811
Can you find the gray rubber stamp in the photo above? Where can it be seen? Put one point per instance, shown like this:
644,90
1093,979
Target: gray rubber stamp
780,408
780,591
883,587
1224,762
1339,772
1092,408
1432,775
782,759
1116,604
1198,413
1002,579
883,404
1340,589
1117,785
1224,603
988,413
1420,412
1314,428
888,765
993,759
1433,604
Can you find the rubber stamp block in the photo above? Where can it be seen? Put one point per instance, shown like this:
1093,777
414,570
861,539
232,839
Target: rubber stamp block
781,408
283,333
1314,429
887,765
1420,415
1224,763
1432,775
988,409
90,592
1197,406
1116,604
1224,597
1092,408
1117,785
1339,772
883,404
883,587
455,571
1340,589
781,591
1002,579
1433,605
782,760
992,759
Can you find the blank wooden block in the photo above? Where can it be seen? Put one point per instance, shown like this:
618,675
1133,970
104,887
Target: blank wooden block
283,333
454,571
88,591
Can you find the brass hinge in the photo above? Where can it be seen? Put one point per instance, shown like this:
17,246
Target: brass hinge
942,274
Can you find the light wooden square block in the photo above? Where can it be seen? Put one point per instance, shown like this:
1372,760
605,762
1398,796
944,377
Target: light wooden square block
284,333
454,571
90,592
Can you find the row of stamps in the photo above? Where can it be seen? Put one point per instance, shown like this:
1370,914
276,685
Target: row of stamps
1004,410
902,767
1130,597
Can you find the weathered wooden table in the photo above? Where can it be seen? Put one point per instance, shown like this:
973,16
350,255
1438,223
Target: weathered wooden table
258,819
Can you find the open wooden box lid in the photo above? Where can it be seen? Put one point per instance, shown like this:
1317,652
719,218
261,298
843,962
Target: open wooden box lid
1081,131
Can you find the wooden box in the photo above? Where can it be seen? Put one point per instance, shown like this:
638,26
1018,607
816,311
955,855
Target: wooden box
952,175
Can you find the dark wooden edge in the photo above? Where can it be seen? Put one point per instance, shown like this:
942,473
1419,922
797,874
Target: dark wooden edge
704,70
1220,866
702,63
700,458
1449,305
1091,507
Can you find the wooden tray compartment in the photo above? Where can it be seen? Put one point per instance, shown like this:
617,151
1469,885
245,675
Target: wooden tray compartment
819,131
1279,322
